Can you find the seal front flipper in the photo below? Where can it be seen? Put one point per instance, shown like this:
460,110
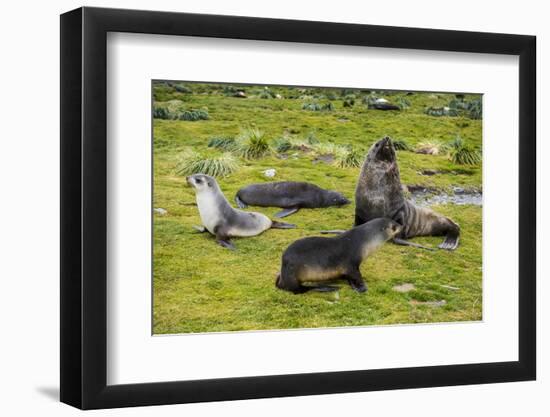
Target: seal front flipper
287,212
282,225
356,282
226,243
404,242
240,203
200,229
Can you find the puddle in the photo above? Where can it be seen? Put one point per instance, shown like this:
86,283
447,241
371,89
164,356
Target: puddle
429,197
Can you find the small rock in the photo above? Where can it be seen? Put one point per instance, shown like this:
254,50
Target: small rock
404,287
270,173
161,211
278,96
438,303
240,94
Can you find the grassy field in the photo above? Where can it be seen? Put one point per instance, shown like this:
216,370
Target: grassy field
201,287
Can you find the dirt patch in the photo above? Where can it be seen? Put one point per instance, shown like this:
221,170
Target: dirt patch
404,287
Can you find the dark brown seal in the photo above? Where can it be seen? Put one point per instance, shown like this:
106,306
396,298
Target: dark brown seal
289,195
379,194
319,259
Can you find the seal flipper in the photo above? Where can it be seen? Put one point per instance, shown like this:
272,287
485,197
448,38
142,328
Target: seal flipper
287,212
333,232
282,225
404,242
317,288
240,203
226,243
450,242
200,229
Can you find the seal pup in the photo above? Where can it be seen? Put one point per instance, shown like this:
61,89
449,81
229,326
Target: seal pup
289,195
379,194
318,259
222,220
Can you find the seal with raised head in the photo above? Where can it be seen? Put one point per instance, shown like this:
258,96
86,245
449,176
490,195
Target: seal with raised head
319,259
289,195
379,194
222,220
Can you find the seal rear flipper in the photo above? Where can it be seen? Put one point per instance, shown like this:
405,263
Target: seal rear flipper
450,242
282,225
226,243
404,242
240,203
287,212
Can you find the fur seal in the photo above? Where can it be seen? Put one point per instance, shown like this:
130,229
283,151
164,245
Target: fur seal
222,220
379,194
317,259
289,195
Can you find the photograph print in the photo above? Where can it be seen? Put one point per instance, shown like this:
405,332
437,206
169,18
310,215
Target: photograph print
299,207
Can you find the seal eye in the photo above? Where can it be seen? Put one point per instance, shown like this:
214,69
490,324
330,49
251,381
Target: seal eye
198,180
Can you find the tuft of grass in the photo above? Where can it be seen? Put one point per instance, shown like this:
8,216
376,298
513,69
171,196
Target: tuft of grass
282,144
252,144
401,145
348,157
190,163
349,100
225,143
161,113
193,115
461,154
403,103
315,106
327,148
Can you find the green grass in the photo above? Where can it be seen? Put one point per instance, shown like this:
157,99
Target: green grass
202,287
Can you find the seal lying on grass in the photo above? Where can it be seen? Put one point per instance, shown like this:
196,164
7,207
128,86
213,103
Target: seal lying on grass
222,220
379,194
289,195
317,259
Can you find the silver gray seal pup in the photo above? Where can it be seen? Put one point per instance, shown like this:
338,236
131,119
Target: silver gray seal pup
289,195
319,259
222,220
379,194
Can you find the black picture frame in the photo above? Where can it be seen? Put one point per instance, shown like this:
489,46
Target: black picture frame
84,207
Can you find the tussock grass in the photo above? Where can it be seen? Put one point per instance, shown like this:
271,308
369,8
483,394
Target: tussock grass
315,106
282,144
190,163
348,157
193,115
252,144
224,143
462,154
